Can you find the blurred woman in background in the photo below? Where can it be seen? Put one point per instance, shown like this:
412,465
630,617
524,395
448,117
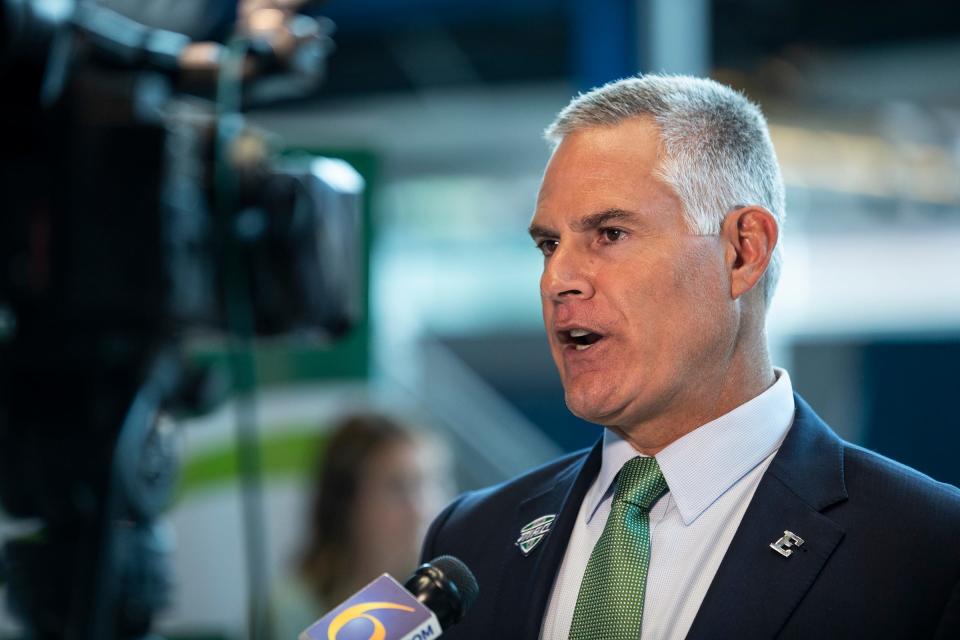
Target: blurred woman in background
377,485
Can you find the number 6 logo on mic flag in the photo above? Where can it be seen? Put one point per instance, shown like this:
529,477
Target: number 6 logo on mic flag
393,612
360,611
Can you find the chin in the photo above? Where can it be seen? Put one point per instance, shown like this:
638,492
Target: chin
588,407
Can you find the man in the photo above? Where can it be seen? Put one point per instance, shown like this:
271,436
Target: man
718,505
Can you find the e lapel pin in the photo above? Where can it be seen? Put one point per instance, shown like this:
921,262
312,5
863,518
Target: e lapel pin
534,532
787,544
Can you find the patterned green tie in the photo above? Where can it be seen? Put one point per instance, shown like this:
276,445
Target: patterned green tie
610,602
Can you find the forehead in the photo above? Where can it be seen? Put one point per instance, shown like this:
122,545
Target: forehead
605,167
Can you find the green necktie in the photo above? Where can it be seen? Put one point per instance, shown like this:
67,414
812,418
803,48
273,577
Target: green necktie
610,602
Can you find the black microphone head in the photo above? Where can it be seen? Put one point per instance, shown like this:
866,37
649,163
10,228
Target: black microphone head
445,586
460,575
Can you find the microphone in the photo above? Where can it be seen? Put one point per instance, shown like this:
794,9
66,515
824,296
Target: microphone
434,598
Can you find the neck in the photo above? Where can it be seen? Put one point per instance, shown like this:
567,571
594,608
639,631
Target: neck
746,375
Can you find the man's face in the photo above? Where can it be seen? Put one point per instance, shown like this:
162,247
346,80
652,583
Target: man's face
637,309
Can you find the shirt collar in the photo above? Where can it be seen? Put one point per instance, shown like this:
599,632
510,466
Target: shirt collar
703,464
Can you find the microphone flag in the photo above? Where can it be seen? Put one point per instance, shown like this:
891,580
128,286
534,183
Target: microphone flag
382,610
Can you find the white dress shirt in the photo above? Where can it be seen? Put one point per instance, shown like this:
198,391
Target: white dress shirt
711,473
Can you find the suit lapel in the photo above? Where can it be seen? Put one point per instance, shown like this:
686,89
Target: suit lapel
756,589
527,580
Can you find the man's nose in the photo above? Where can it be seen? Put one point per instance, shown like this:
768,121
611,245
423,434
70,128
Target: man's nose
566,275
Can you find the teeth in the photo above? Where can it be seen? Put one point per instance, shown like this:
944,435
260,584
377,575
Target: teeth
581,347
578,333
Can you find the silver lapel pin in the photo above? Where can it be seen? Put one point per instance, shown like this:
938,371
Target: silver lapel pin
533,532
787,544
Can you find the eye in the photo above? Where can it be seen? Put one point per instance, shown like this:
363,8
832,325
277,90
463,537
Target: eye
547,246
612,234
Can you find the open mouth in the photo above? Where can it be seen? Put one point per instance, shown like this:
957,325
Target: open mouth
579,339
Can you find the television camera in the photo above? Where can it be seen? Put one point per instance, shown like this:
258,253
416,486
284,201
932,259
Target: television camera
139,208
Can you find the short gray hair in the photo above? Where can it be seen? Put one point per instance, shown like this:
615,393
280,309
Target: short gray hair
718,154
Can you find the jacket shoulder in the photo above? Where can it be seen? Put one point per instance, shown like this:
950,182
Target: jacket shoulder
475,513
511,492
897,487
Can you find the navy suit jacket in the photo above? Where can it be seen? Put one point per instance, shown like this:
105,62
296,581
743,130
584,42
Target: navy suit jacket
880,559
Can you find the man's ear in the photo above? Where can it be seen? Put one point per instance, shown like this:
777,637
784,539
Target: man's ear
751,234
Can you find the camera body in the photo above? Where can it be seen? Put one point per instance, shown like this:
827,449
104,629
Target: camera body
135,214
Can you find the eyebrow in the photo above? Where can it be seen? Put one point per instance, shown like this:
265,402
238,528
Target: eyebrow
586,223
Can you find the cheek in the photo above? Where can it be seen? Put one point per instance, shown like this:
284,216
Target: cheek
644,294
669,300
702,304
364,520
699,275
379,526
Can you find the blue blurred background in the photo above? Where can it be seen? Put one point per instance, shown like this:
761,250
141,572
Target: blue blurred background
440,104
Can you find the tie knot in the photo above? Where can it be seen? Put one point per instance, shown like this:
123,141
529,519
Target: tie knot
640,482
